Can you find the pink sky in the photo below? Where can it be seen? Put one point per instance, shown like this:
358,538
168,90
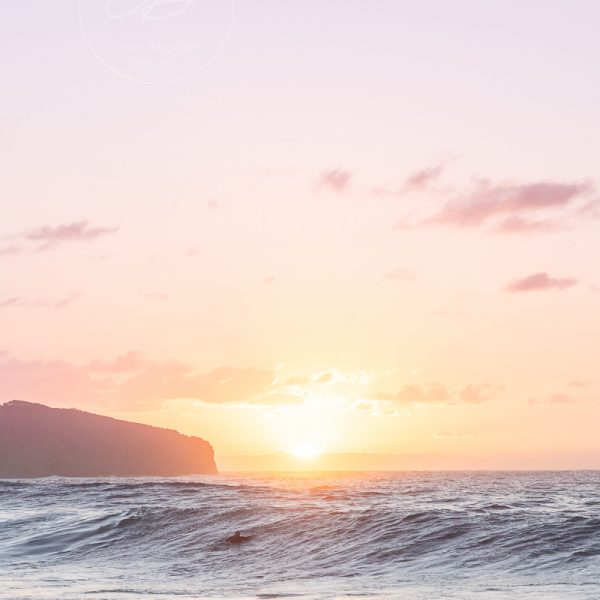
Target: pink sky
367,226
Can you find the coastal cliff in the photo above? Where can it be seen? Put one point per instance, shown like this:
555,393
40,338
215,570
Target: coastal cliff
39,441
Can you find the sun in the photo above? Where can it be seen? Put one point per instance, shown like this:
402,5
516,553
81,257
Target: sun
305,451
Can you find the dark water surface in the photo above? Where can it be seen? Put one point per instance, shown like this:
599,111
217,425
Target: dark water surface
419,536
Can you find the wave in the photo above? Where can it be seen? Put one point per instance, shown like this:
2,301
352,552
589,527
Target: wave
374,527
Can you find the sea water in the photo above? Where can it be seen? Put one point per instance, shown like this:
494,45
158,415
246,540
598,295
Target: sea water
468,535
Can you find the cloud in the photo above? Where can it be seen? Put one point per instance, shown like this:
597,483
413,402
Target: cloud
11,250
133,382
346,384
298,380
46,381
477,394
516,224
419,394
417,181
170,380
270,280
336,180
399,274
540,282
194,251
435,393
580,384
508,207
563,399
420,180
49,237
326,377
490,200
557,399
276,398
591,210
19,302
127,363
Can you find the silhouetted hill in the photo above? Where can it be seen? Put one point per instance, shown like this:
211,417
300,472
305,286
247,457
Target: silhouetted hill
39,441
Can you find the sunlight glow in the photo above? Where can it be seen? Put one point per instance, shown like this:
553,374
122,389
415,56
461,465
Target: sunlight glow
306,451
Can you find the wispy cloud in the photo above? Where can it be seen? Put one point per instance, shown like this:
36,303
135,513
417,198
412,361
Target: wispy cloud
590,210
477,394
194,251
422,179
19,302
400,274
45,381
127,363
540,282
417,181
512,208
169,380
79,231
516,224
580,384
10,250
337,180
326,377
50,237
558,399
435,393
490,200
421,394
270,280
134,382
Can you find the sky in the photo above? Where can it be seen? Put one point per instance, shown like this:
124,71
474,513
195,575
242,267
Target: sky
368,229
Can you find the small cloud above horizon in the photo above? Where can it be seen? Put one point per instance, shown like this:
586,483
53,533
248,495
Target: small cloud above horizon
436,393
270,280
133,382
48,237
559,398
540,282
337,180
416,182
420,180
194,251
19,302
400,274
513,208
78,231
11,250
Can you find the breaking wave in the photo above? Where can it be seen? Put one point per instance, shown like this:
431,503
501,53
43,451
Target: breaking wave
311,535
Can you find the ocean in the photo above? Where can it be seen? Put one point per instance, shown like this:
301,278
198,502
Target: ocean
415,536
